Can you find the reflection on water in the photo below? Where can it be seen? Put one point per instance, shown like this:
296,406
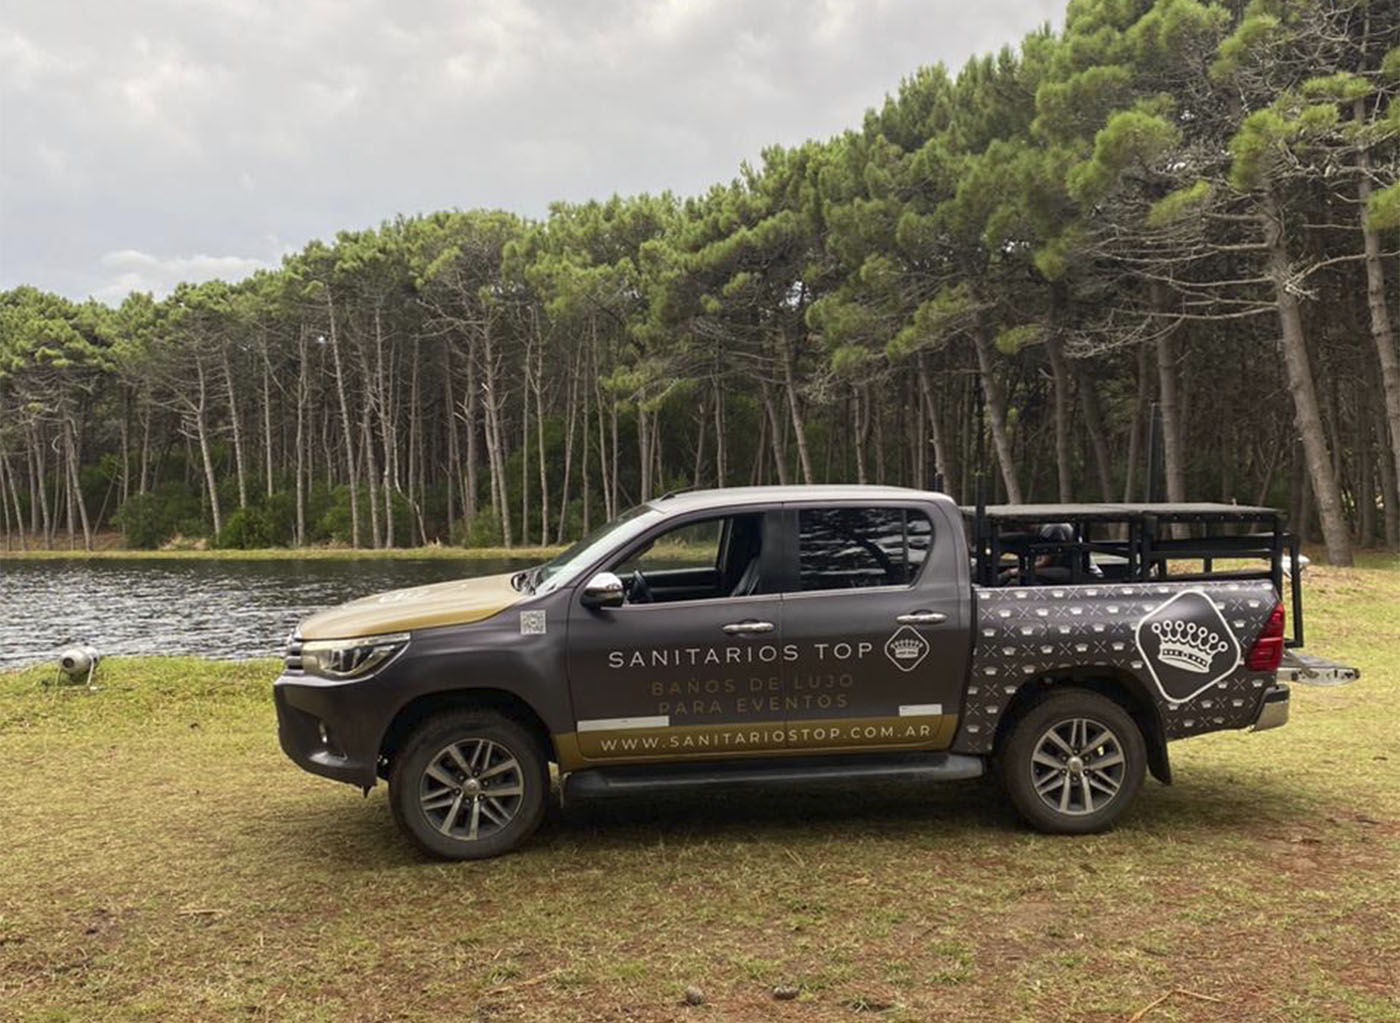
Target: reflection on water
225,609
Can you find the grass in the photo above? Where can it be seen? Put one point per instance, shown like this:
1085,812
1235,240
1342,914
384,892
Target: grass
162,860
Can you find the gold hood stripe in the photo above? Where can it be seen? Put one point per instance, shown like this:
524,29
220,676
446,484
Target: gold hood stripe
457,602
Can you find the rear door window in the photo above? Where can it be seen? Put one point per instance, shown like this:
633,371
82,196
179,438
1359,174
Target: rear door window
857,548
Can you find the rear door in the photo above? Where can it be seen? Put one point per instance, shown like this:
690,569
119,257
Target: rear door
875,616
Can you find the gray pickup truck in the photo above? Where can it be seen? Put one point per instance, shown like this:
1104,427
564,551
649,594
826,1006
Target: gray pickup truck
796,634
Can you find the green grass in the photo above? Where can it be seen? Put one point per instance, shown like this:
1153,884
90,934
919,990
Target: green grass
161,860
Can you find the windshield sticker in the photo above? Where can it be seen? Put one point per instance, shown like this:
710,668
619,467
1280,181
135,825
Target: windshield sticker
1187,645
532,623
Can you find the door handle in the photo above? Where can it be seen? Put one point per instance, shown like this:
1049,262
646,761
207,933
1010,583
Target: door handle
922,618
741,628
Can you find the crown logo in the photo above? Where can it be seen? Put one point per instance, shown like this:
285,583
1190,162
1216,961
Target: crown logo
1187,645
907,649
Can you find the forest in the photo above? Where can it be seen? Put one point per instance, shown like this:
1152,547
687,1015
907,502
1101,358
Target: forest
1174,220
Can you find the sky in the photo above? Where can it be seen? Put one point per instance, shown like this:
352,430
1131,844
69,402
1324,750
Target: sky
145,142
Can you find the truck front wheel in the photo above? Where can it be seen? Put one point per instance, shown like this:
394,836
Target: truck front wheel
468,785
1073,762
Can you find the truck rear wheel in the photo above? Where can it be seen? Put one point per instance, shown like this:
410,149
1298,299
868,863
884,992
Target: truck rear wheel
468,785
1072,763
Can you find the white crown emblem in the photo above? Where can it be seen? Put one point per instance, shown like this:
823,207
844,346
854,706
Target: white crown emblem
1187,645
907,649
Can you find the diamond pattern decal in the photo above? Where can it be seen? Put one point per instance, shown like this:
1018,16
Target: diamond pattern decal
1026,632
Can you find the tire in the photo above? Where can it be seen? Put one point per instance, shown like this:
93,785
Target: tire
1099,758
442,782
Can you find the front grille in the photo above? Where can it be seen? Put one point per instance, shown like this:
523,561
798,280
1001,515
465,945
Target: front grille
292,661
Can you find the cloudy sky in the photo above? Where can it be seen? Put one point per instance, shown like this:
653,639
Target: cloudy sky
143,142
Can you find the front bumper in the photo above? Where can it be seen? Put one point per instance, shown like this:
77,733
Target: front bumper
1273,711
330,728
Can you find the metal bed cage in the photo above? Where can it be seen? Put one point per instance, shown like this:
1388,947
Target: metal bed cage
1048,544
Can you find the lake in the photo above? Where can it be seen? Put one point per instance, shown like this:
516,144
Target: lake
224,609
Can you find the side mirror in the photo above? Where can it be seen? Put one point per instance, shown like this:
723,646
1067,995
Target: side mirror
603,590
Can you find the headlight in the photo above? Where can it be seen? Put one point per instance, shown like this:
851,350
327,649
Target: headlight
351,658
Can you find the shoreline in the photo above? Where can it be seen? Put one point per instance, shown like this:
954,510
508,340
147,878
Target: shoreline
289,554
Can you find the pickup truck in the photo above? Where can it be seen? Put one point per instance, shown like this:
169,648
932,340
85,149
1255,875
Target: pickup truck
765,635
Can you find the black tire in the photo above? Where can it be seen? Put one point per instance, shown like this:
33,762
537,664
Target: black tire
465,821
1100,755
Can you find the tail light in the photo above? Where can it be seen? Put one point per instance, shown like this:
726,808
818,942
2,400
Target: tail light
1267,651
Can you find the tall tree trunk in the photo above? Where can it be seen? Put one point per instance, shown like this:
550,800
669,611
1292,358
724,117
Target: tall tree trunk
350,473
862,427
1169,388
771,411
1325,491
1381,333
996,413
583,458
470,401
449,405
237,432
570,420
202,435
302,471
74,482
935,423
38,487
382,404
1059,371
721,432
372,475
14,499
267,422
144,415
1139,423
1390,484
804,459
1094,426
643,451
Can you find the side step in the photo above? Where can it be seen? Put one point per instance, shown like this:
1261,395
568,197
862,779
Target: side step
602,782
1315,671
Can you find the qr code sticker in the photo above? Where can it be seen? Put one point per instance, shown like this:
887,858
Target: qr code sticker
532,623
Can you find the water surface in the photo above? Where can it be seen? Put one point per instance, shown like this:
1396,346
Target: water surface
224,609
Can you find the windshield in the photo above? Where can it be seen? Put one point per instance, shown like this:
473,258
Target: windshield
566,566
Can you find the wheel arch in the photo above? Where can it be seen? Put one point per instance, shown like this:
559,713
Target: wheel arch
428,705
1120,686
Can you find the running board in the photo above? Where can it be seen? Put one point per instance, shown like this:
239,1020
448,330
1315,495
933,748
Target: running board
602,782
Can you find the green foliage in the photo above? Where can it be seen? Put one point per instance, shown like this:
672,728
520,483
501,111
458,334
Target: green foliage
1011,340
1179,204
143,521
1131,140
1390,64
1383,210
1254,33
246,529
1342,87
1256,147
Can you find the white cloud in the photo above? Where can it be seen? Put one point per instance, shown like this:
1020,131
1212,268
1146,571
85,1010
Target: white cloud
211,125
133,270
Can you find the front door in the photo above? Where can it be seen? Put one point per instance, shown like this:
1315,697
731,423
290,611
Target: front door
876,626
692,663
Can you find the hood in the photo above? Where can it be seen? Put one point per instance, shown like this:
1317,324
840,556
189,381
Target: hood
458,602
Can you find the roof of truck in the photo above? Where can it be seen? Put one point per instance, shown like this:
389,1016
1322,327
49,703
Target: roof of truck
728,497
